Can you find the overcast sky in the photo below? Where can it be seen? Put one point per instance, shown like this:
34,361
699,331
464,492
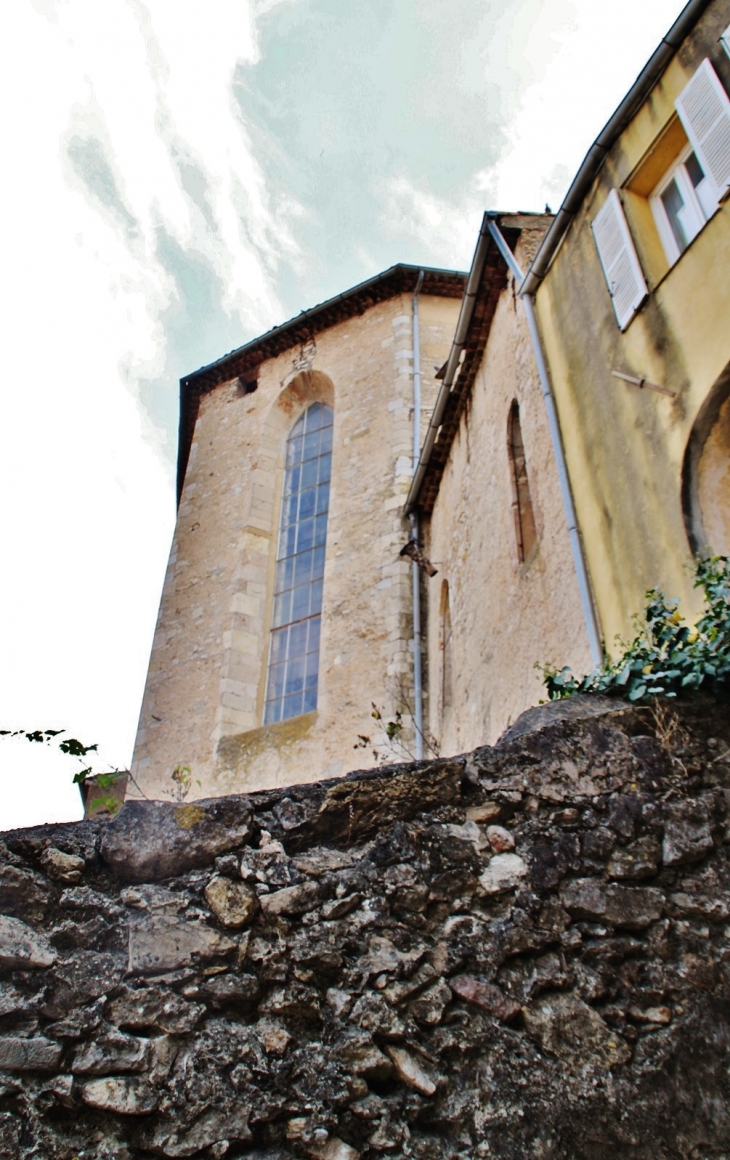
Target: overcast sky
180,175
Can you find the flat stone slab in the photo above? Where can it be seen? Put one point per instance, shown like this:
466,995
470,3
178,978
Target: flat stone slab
22,947
149,841
164,944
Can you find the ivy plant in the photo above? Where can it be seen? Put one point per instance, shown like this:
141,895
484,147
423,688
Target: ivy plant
667,657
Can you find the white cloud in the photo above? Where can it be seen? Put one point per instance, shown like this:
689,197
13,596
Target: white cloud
112,101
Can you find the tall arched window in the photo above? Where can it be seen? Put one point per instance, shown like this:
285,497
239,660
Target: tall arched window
447,656
294,656
521,501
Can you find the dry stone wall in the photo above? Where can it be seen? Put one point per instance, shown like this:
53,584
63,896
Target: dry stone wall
524,952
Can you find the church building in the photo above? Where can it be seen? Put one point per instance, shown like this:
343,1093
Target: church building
286,647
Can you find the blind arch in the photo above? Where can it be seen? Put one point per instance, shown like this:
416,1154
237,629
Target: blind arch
291,686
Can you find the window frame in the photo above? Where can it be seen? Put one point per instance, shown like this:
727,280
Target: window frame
679,174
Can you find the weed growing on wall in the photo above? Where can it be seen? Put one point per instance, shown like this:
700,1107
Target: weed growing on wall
668,657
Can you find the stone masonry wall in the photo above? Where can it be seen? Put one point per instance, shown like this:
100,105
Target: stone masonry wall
521,953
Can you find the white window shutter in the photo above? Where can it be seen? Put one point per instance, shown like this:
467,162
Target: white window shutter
621,267
704,110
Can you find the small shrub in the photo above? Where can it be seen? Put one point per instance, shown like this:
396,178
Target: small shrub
667,657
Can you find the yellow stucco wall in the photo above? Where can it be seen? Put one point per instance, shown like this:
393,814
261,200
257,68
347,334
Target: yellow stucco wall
203,704
625,447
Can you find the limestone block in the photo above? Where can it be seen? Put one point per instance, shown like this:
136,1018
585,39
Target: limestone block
35,1054
232,903
125,1097
150,840
21,947
567,1027
504,872
159,944
632,907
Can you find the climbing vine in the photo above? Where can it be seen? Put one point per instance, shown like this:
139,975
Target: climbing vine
667,657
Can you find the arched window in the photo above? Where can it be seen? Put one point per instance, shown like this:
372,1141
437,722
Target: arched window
447,656
294,657
521,501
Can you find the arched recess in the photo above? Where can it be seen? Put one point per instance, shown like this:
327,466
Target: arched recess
447,654
706,473
524,516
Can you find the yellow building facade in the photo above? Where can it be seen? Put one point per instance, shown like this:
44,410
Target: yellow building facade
632,293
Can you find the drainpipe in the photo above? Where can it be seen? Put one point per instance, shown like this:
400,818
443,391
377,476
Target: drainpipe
416,577
584,584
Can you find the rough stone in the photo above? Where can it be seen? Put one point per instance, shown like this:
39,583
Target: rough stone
635,862
631,907
567,1027
160,944
504,872
501,841
111,1053
21,894
291,900
153,1007
486,996
22,947
232,903
123,1096
687,836
35,1054
63,867
409,1070
148,841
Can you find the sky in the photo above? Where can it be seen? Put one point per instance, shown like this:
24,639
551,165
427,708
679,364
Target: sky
180,175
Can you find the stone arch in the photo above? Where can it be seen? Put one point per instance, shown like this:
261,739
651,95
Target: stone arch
706,473
305,388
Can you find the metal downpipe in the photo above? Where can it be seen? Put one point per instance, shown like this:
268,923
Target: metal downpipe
415,571
576,544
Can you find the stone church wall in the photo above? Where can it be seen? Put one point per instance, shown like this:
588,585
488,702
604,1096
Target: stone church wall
506,615
203,704
523,953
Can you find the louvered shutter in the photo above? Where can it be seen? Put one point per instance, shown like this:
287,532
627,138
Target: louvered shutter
621,267
704,110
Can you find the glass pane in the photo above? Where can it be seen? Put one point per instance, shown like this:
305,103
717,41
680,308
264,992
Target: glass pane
313,641
305,539
309,473
694,169
325,468
316,605
674,204
323,498
302,568
320,534
310,700
298,639
318,563
295,675
282,609
306,504
278,644
300,602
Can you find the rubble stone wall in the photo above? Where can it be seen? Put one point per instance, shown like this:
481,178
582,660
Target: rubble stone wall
520,953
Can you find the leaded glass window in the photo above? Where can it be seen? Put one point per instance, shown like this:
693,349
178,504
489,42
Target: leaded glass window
294,657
